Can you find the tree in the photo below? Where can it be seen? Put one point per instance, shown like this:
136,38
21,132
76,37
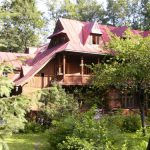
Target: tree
83,10
12,109
124,12
129,69
20,29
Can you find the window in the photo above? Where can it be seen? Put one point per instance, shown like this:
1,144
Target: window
128,101
42,74
95,39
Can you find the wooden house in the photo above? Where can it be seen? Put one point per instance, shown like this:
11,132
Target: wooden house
73,45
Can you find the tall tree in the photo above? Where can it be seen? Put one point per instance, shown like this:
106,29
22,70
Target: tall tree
123,12
20,29
83,10
128,69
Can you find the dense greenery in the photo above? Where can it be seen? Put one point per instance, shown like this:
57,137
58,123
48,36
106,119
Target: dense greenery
55,102
12,109
82,131
20,25
132,13
129,69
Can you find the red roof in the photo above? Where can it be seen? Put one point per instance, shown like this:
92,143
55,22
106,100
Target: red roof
43,59
14,59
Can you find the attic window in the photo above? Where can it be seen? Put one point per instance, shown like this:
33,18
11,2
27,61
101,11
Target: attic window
95,39
59,39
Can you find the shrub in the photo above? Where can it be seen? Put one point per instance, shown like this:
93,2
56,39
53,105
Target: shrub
33,127
131,123
75,143
60,130
55,102
79,131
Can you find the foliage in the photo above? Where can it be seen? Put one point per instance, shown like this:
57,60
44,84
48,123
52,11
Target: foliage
76,144
12,109
89,96
60,130
21,29
12,114
128,70
82,131
77,131
131,63
55,102
83,10
131,123
131,13
32,127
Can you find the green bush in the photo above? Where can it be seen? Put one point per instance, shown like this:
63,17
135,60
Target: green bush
82,131
131,123
75,143
33,127
60,130
78,132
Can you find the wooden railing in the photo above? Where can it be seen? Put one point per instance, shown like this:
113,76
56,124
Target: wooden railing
73,79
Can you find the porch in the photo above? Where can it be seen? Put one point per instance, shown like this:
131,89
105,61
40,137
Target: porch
73,69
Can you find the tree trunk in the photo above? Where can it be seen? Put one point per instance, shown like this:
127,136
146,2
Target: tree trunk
148,146
141,107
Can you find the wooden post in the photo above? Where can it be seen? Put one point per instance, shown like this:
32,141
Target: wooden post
64,67
82,68
59,66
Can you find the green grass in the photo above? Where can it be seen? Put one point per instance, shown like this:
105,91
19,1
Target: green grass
28,142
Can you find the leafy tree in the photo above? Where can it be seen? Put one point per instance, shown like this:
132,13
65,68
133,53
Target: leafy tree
129,69
21,22
124,12
83,10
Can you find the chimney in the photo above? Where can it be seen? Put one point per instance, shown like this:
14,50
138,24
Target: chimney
30,50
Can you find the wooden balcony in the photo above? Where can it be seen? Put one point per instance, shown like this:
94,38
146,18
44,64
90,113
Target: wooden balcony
74,79
73,70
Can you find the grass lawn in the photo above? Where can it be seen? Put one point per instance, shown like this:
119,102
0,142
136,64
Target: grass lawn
28,142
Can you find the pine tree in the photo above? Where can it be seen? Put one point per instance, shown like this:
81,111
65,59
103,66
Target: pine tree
12,109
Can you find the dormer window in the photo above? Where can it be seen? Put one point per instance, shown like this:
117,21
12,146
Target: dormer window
95,39
58,39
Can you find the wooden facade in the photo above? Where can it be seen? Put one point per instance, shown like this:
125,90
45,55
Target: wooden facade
66,69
